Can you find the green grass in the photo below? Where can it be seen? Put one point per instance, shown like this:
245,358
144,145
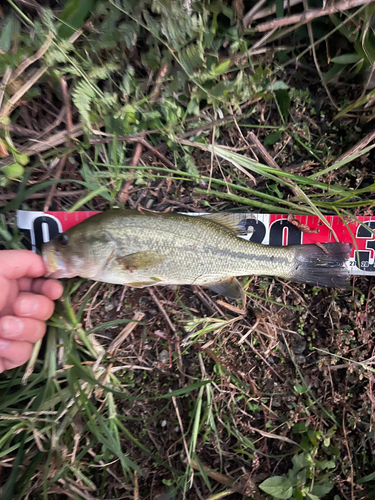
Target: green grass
239,411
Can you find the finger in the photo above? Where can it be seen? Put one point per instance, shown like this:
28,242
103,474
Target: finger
25,284
29,305
52,289
23,329
15,264
13,354
4,292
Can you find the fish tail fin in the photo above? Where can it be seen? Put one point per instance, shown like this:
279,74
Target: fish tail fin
322,265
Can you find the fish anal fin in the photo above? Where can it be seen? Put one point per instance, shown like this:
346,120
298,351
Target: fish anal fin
229,288
141,284
140,260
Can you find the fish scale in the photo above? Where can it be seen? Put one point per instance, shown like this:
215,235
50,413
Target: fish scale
130,247
214,254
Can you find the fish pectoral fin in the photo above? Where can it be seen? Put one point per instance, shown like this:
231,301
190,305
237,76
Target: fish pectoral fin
230,288
140,260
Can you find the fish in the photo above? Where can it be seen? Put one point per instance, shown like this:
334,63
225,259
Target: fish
129,247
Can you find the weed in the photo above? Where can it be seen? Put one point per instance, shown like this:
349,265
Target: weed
164,107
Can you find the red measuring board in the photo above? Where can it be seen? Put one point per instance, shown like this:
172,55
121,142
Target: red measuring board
268,229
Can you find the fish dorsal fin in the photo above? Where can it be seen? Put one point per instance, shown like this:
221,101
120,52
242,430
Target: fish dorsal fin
228,220
140,260
229,288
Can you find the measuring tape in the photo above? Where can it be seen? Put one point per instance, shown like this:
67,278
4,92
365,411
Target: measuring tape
268,229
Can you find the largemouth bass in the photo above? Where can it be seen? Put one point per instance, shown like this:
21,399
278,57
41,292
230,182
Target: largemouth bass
138,249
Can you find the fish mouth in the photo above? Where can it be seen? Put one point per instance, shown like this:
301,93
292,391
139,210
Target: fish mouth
54,263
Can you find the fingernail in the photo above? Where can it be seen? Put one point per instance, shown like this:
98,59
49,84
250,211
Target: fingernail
4,344
11,326
28,306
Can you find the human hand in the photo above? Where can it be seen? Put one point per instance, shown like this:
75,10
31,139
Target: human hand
26,302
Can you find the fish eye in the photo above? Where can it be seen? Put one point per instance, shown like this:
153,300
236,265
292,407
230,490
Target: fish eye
63,239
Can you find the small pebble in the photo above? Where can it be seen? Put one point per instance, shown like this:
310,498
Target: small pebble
164,423
163,356
299,347
109,306
300,360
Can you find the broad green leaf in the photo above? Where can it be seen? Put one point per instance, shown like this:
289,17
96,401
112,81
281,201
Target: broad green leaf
283,100
314,437
298,495
346,59
74,15
280,85
222,67
14,171
272,138
300,477
322,489
278,486
299,462
325,464
366,479
336,70
6,35
301,389
193,108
